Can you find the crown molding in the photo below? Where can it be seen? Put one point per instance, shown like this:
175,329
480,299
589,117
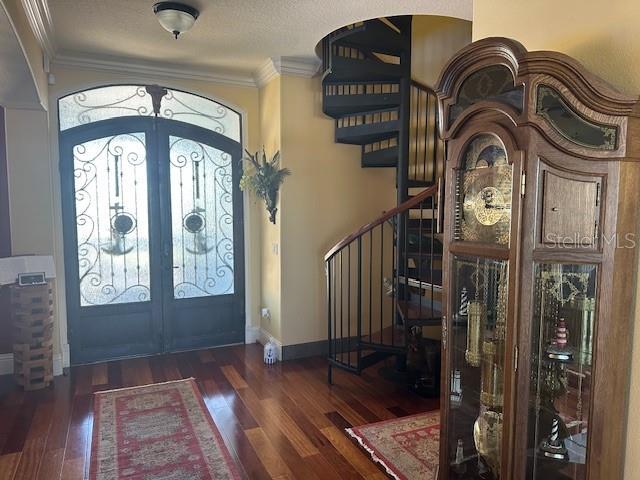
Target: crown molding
299,67
152,71
266,73
39,17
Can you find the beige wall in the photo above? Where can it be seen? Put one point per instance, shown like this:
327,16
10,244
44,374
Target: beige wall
30,46
604,37
29,172
434,40
328,196
270,123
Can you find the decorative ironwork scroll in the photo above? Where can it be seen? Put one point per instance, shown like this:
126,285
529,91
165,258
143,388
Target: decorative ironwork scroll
112,219
114,101
202,219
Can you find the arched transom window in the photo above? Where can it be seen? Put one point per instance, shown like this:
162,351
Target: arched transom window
114,101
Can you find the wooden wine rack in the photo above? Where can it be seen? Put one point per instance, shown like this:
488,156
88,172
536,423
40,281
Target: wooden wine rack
32,319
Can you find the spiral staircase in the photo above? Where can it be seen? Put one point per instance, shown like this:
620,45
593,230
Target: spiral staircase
384,281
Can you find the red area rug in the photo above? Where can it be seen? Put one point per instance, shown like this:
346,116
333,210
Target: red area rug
408,448
160,432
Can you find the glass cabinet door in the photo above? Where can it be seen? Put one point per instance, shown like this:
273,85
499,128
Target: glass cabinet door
563,325
478,333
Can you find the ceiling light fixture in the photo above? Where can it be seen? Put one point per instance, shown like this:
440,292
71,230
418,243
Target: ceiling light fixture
175,17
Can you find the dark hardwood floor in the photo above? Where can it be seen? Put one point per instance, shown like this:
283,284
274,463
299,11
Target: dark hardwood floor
280,422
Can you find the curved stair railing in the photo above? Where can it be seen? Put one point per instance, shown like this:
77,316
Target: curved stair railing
371,309
384,281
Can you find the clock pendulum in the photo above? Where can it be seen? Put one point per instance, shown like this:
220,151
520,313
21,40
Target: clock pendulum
476,315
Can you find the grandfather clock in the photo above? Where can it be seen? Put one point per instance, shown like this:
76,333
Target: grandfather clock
542,188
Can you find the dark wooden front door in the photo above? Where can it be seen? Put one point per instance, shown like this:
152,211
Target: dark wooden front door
153,238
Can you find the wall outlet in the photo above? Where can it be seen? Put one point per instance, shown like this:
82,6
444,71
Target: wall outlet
266,314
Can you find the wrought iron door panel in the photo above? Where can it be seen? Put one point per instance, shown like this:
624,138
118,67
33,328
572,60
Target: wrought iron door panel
153,230
201,219
112,220
112,252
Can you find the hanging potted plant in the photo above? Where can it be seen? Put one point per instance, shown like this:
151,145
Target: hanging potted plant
265,179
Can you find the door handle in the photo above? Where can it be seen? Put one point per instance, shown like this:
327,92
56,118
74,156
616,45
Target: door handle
176,267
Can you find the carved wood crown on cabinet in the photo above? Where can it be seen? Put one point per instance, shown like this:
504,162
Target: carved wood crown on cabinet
535,374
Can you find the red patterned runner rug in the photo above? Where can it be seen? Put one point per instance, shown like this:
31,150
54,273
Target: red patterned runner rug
408,448
161,432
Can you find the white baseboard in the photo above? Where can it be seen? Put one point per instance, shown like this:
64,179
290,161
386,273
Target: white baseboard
6,364
57,365
265,337
252,334
66,356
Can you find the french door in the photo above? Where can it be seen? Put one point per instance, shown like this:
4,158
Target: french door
153,234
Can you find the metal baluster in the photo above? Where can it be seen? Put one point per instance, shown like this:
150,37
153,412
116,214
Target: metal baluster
417,132
341,306
394,289
419,276
359,300
349,304
426,138
435,143
432,256
330,336
370,281
381,278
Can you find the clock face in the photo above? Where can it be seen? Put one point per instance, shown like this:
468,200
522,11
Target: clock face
483,210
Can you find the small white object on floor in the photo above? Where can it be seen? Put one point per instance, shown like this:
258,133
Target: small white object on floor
270,353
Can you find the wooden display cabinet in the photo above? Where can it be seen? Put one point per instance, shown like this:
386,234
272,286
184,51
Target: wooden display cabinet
542,186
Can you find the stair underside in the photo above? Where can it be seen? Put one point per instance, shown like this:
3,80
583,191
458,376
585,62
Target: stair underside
385,157
345,70
367,132
371,36
337,106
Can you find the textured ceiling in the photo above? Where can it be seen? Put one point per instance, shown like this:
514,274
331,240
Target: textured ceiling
233,36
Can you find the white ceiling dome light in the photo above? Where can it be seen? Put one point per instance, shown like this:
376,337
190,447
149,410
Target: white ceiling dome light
175,17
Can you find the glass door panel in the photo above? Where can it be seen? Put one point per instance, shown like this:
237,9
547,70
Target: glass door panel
201,219
112,220
153,231
479,293
562,361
